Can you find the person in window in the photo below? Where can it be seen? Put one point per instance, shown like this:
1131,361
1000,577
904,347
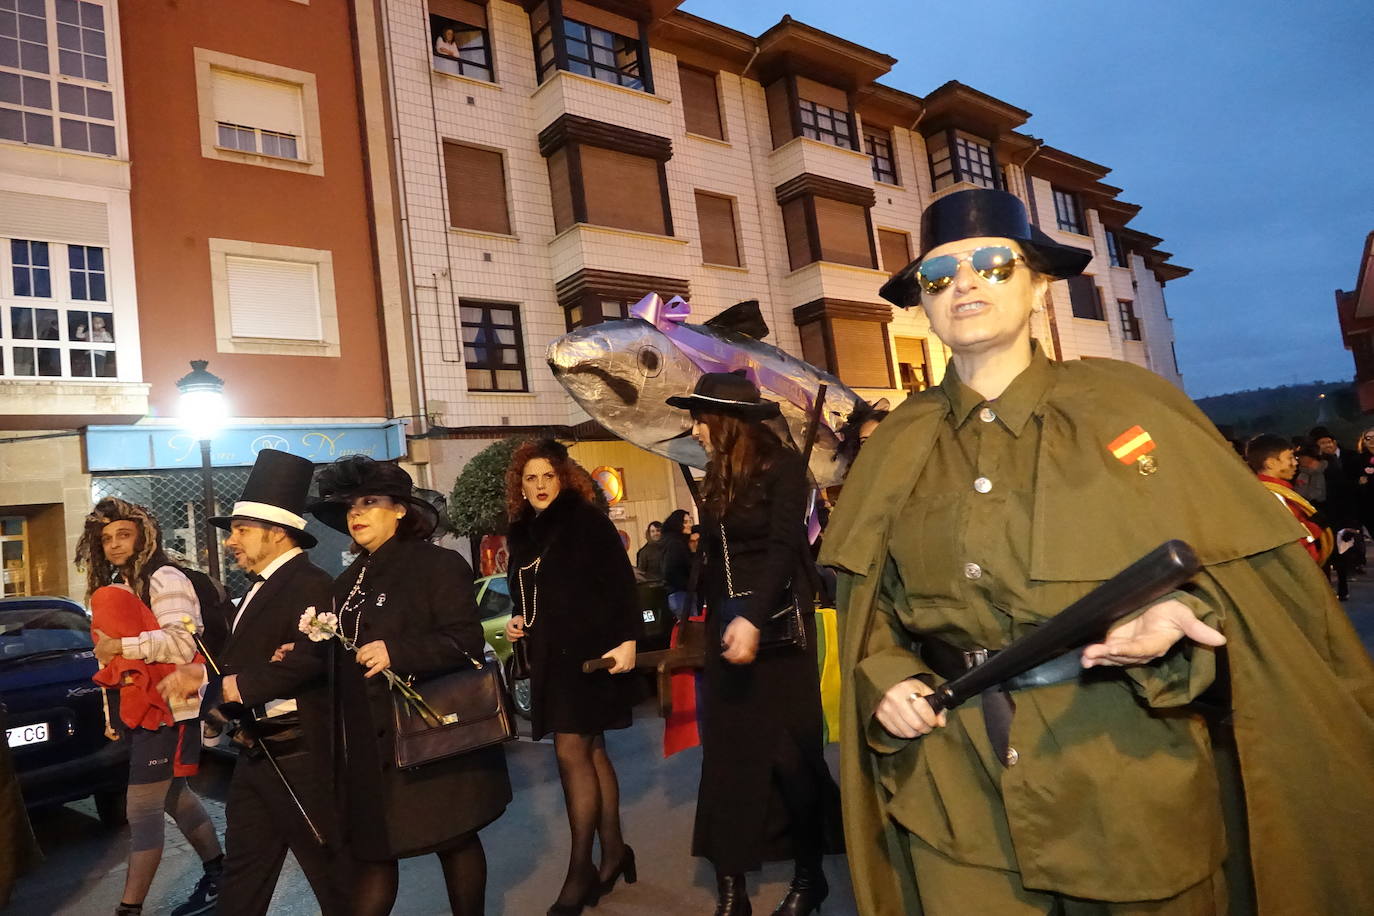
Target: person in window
677,562
446,45
100,332
122,543
409,606
766,793
1092,784
574,594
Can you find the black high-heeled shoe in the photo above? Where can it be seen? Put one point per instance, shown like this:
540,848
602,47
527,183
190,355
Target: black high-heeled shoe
626,868
732,896
806,893
590,898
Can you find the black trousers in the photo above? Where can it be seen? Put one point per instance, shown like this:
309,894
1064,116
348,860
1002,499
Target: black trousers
262,823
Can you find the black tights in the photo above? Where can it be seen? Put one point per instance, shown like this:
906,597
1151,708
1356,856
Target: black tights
592,794
465,875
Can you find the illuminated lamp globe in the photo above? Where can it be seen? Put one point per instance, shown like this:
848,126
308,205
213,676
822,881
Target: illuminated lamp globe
202,406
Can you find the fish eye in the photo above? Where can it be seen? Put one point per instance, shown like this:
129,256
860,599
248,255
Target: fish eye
650,362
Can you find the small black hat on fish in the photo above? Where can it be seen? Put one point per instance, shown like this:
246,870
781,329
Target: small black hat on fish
727,392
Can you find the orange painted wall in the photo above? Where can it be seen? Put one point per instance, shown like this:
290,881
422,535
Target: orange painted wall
180,199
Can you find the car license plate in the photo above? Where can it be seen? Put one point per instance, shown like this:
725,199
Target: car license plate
27,734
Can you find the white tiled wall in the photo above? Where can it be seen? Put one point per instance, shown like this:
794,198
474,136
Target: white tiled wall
523,267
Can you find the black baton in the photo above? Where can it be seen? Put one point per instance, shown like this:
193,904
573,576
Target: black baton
1146,580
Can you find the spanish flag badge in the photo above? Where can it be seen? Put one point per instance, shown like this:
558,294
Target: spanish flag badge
1131,445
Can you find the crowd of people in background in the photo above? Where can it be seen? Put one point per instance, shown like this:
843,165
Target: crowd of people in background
1329,488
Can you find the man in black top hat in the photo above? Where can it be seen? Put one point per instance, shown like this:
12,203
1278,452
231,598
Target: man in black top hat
267,535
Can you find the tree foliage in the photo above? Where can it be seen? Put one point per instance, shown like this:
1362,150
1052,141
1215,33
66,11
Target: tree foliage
477,505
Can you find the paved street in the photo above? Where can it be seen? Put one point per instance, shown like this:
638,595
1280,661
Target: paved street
84,871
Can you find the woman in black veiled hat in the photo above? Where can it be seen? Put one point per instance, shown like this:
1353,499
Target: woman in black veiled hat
409,606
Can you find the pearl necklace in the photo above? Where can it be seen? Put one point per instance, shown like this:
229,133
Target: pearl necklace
354,592
532,593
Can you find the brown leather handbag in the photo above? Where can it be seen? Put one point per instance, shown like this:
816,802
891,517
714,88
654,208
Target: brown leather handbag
470,703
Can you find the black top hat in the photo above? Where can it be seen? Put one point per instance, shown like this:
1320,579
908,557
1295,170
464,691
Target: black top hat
983,213
275,494
727,392
358,475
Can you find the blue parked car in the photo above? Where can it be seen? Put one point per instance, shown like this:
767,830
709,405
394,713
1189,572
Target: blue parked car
54,720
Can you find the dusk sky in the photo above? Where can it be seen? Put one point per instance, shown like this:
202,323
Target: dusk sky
1245,130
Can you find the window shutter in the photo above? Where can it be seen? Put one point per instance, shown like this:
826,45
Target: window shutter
623,191
821,94
843,230
716,219
1084,297
254,102
602,19
813,345
798,237
779,112
861,353
895,248
560,186
53,219
700,102
476,180
463,11
273,299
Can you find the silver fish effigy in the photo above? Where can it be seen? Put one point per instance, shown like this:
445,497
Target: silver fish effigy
622,373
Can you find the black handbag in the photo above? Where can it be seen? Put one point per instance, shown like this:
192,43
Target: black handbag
470,703
785,628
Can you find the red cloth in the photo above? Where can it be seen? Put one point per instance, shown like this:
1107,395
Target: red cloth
1312,543
680,729
116,611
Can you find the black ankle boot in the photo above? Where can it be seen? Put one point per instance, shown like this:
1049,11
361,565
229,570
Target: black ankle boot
804,896
733,896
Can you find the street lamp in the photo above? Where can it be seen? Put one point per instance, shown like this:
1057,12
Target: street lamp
203,410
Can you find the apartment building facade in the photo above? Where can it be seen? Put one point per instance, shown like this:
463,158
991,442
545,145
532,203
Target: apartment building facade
70,349
198,187
559,159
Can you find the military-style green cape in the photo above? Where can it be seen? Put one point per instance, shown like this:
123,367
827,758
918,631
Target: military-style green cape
1302,684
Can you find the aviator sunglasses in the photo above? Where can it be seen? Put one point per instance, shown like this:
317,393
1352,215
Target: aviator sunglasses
994,263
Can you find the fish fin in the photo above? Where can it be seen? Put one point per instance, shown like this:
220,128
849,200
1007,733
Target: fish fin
742,318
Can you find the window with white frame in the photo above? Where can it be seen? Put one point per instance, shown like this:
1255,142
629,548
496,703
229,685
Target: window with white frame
257,113
56,318
273,299
55,86
260,116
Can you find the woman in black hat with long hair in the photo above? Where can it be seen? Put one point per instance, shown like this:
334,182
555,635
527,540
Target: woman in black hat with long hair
574,591
765,793
409,606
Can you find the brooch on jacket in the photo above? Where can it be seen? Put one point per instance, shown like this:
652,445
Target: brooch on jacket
1134,447
381,599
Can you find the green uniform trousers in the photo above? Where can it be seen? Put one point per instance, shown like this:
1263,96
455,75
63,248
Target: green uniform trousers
950,888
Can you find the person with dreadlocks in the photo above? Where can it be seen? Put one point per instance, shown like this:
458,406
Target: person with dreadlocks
122,545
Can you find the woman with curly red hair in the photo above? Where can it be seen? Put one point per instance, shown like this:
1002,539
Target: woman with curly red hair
574,593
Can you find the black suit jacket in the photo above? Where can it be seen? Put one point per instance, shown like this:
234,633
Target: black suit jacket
271,619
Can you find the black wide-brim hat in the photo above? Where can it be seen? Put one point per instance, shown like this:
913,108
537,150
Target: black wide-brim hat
275,494
984,213
727,392
357,475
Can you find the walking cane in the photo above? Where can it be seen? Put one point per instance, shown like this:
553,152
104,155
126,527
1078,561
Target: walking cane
261,744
